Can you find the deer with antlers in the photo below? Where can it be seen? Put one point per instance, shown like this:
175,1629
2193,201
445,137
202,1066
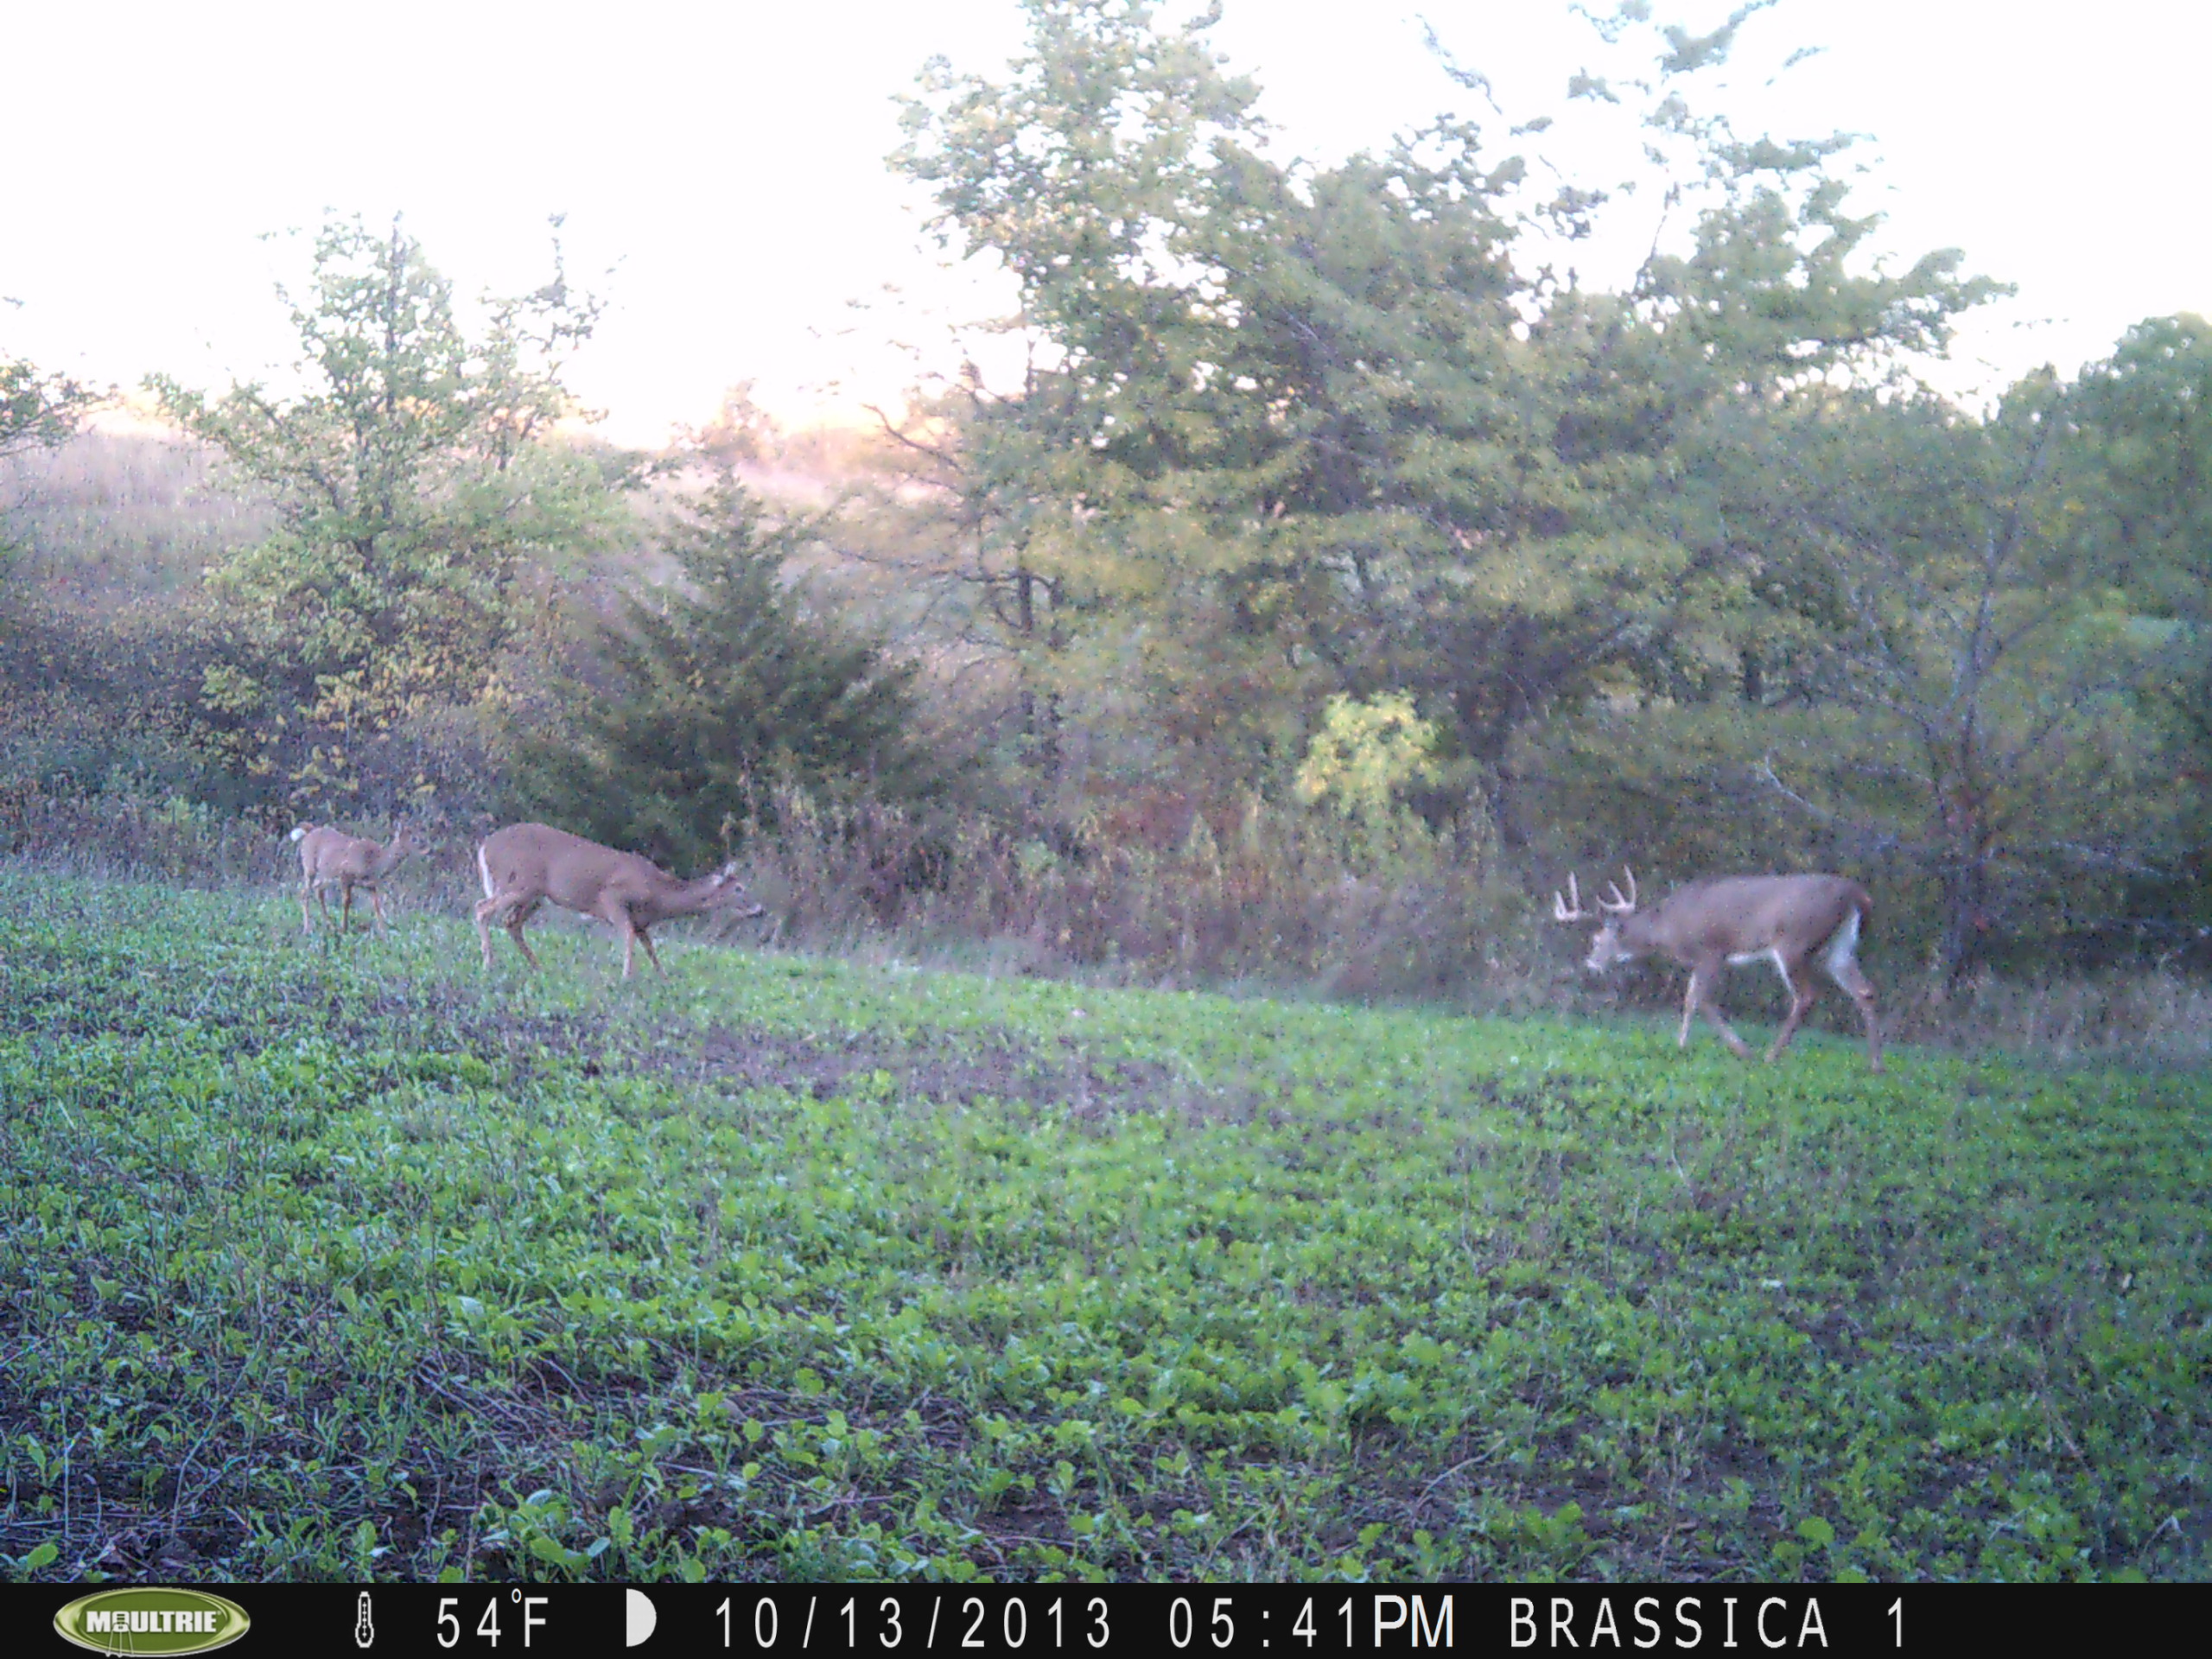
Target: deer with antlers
1785,920
332,858
526,864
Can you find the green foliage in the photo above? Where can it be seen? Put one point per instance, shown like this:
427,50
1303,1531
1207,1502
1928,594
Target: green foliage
1367,754
1303,432
2143,475
1698,571
1980,685
415,478
93,706
39,411
704,697
333,1266
1926,674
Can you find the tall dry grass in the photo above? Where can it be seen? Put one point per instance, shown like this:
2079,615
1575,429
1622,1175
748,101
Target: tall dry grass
112,517
2152,1015
1281,899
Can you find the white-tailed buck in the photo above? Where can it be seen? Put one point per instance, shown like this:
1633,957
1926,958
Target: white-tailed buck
526,864
332,858
1785,920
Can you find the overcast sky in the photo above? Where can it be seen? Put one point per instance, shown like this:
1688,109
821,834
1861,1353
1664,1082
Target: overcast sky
726,161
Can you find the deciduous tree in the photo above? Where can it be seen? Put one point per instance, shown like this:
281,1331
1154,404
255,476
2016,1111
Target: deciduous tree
416,473
39,410
1294,432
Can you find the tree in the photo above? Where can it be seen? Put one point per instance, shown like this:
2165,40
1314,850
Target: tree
39,411
1083,176
2142,454
1294,433
691,708
1979,692
416,476
1933,670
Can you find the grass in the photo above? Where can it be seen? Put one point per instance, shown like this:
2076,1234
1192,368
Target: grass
332,1259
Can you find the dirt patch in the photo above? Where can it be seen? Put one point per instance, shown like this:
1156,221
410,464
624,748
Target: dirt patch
991,1066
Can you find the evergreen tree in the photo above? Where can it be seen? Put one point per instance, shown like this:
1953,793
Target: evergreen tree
691,708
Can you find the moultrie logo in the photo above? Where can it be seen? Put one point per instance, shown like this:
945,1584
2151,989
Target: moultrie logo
151,1622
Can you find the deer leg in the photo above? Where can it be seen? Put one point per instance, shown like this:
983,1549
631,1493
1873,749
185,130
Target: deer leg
1804,991
346,907
307,920
652,956
628,930
376,905
517,918
616,914
514,931
484,909
516,914
1701,982
1689,1011
1845,971
1737,1046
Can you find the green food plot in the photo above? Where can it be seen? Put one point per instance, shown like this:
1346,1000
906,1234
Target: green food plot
331,1259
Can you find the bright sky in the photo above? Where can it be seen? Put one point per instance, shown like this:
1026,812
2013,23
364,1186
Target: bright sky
726,160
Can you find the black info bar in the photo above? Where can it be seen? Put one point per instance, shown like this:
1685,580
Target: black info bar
552,1621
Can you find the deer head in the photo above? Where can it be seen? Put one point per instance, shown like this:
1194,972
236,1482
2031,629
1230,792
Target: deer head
406,842
729,896
1608,946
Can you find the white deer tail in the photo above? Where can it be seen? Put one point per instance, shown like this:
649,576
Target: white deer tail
300,834
484,869
1844,945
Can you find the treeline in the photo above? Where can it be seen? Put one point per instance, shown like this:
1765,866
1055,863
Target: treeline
1338,568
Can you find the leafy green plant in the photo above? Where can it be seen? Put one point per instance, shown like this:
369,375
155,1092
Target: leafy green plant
325,1265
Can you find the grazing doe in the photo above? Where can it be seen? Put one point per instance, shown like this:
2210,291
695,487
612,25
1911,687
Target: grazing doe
1784,920
526,864
332,858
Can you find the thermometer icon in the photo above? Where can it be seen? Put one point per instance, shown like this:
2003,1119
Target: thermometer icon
364,1631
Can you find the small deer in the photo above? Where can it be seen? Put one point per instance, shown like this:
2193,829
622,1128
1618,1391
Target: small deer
1783,918
526,864
331,857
